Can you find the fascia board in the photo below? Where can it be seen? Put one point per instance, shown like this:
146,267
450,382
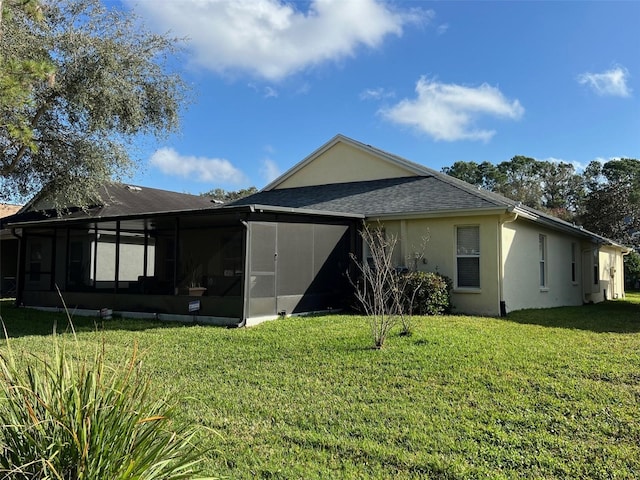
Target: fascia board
220,210
303,211
576,231
55,221
438,214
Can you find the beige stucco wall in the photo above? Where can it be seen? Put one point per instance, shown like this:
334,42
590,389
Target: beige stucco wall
344,163
440,256
521,265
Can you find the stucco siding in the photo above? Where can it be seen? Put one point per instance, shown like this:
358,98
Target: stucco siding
521,265
430,245
343,163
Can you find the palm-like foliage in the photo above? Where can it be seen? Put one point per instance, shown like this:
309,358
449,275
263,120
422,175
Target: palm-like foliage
64,418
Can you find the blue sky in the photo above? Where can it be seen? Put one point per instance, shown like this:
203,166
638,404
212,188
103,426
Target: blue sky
434,82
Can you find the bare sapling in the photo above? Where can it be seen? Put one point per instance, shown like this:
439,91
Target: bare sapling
376,288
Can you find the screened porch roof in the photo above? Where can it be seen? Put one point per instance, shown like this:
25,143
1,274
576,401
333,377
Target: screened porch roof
190,218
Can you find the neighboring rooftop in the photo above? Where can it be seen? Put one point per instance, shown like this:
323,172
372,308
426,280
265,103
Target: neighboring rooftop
6,209
120,200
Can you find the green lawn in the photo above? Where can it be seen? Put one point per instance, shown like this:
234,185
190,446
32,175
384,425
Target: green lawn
541,394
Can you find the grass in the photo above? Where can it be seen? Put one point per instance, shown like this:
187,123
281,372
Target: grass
540,394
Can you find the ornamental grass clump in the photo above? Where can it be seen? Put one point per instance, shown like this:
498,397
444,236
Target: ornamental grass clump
67,418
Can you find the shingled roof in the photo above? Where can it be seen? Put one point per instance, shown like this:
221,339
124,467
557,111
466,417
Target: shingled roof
120,200
429,192
379,197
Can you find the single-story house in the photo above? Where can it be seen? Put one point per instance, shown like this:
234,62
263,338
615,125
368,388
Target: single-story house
500,254
287,248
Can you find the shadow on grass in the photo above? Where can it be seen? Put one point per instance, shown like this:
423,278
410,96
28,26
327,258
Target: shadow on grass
23,322
615,316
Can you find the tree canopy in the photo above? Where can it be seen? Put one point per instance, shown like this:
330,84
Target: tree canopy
225,196
612,205
99,81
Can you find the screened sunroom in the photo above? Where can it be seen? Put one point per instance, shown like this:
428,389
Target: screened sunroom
222,265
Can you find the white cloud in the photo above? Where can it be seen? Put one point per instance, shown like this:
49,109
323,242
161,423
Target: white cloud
266,92
303,89
578,166
272,38
200,169
442,29
610,83
449,111
269,170
376,94
270,92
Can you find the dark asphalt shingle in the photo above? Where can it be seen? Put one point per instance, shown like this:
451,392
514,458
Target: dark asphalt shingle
377,197
120,200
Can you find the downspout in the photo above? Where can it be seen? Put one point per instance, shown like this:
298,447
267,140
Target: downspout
511,217
245,284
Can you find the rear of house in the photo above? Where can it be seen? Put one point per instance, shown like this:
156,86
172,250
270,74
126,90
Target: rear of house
287,249
501,255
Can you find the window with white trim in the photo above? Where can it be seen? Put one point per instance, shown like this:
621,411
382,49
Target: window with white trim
468,257
542,243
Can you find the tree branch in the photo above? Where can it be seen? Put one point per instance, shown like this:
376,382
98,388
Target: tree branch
24,147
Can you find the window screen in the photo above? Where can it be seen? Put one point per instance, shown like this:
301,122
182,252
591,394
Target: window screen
468,257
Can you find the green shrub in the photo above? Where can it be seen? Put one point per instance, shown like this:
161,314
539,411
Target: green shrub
64,418
427,293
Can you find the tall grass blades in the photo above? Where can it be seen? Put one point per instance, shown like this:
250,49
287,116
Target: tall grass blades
66,418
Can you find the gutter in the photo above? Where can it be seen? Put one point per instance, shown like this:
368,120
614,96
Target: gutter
436,214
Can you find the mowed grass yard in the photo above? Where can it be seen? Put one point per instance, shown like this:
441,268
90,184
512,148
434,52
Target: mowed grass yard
539,394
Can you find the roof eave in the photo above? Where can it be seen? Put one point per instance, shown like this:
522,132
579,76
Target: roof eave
303,211
469,212
198,211
56,221
561,225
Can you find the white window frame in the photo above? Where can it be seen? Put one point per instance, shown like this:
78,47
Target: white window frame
543,254
473,254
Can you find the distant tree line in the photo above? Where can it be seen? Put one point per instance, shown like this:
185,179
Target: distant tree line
604,198
226,196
